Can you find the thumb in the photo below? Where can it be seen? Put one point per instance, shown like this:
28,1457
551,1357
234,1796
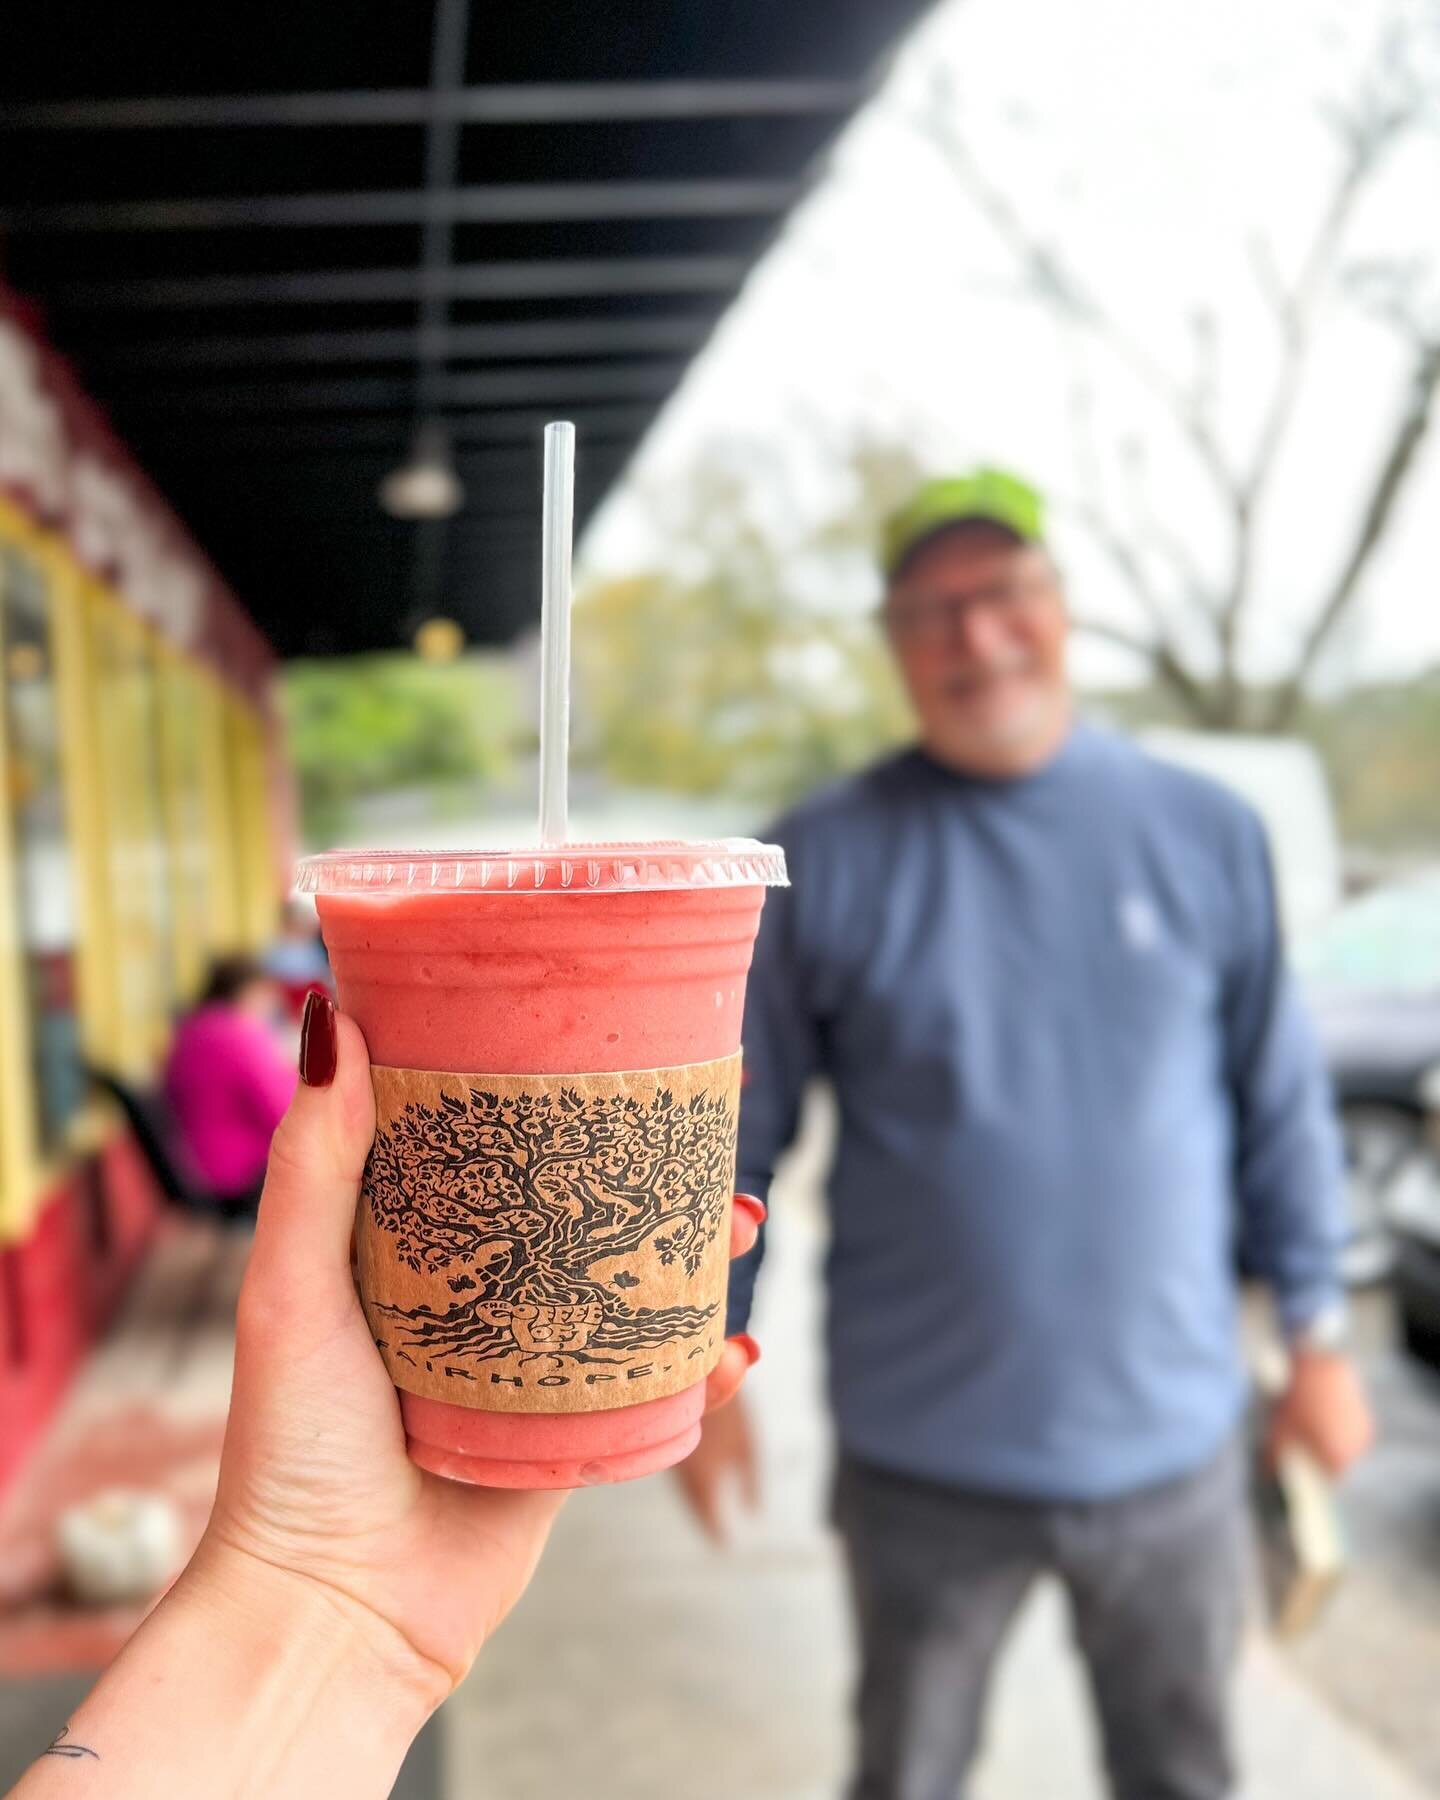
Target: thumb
317,1156
738,1357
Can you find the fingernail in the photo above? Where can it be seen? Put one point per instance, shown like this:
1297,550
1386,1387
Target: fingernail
748,1345
754,1205
319,1046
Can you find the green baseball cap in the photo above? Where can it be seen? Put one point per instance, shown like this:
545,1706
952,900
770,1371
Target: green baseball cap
983,496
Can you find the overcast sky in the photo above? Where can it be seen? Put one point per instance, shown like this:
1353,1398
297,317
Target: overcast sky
1154,140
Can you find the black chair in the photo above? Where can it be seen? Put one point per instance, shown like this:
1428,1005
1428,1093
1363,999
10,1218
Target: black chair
154,1131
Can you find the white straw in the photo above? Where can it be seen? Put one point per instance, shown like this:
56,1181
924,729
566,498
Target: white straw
559,526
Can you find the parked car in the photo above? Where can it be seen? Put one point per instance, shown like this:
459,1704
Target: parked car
1415,1223
1372,976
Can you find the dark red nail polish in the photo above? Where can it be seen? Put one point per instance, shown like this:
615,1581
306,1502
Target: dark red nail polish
754,1205
748,1345
319,1046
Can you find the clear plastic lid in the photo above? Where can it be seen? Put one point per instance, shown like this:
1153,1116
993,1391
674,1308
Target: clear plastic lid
569,869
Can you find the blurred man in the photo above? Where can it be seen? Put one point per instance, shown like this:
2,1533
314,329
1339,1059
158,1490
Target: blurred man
1043,973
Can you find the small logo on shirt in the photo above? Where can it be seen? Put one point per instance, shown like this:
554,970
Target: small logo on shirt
1139,924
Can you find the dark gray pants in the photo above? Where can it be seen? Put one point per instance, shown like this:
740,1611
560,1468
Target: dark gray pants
1156,1584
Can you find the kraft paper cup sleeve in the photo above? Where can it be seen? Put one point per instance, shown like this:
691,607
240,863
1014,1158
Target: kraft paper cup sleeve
549,1243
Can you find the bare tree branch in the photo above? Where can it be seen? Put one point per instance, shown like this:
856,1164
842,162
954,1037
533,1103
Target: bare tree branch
1080,403
1094,511
1158,649
1365,134
1413,425
1397,291
1149,530
1161,662
1260,254
1195,589
1390,98
1122,554
1119,635
1053,281
1205,376
1295,305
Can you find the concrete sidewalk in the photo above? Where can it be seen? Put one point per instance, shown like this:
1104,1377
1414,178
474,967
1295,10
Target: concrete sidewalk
643,1665
147,1411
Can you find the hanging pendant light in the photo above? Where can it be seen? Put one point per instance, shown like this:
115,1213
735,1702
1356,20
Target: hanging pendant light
425,486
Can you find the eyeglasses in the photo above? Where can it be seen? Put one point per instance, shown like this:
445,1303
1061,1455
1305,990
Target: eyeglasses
926,618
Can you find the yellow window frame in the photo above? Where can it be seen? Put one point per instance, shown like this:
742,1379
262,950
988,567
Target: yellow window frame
27,1174
241,886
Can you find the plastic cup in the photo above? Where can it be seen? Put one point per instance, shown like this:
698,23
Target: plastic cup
580,961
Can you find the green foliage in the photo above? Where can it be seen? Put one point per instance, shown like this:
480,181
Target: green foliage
1381,746
360,725
703,689
751,665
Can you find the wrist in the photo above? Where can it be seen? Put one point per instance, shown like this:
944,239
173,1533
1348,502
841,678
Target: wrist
251,1682
1322,1333
290,1617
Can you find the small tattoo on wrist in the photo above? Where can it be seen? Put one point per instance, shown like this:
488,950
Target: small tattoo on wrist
61,1748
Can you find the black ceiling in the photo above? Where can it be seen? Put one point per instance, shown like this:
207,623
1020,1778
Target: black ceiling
271,237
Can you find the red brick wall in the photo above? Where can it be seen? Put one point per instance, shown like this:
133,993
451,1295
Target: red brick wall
59,1286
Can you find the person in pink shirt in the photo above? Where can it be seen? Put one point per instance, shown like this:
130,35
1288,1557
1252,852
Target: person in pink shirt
227,1082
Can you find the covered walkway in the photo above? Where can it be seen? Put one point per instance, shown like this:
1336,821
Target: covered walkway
274,247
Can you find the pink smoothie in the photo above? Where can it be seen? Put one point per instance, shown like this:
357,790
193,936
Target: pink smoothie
544,979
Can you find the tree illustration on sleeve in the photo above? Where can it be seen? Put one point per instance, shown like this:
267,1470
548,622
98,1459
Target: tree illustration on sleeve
539,1209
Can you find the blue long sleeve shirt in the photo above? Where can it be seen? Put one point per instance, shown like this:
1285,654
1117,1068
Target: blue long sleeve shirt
1072,1080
